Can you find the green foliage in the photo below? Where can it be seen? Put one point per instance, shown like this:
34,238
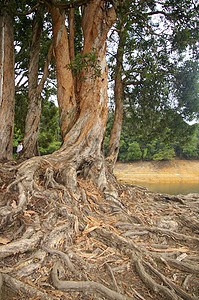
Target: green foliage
21,107
49,134
160,85
86,62
191,149
186,87
134,151
134,147
166,153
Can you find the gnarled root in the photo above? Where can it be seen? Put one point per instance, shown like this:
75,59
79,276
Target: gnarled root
83,286
111,239
13,285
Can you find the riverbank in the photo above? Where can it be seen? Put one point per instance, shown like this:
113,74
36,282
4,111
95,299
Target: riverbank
178,171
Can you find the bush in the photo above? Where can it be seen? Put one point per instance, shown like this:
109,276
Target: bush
134,151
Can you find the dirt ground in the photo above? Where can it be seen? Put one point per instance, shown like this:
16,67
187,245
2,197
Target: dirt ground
158,171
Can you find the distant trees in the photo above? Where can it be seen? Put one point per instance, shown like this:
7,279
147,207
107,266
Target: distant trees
136,147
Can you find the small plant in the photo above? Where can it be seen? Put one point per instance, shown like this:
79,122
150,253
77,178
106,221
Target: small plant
87,62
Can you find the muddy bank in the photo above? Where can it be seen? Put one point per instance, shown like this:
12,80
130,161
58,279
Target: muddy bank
185,171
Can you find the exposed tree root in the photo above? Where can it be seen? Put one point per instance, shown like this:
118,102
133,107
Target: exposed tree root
20,246
90,286
23,288
112,241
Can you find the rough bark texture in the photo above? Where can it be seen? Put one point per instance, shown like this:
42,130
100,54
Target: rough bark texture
7,86
114,142
82,111
31,134
65,83
72,33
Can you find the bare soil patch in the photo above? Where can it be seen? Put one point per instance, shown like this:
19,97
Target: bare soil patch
158,171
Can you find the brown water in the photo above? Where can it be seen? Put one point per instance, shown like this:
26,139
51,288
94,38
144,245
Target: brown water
168,177
171,188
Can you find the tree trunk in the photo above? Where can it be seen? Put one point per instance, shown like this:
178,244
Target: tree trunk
7,86
83,114
31,133
72,33
65,82
114,142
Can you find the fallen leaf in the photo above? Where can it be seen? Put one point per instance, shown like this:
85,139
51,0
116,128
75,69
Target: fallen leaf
14,204
28,213
4,241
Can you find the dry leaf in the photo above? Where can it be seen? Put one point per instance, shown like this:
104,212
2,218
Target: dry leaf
3,186
4,241
14,204
86,231
28,213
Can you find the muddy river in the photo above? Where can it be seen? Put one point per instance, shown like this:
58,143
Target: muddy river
170,177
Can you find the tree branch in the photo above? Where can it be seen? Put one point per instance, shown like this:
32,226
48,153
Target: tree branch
67,4
46,71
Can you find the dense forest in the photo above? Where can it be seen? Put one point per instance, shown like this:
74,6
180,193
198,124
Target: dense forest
133,147
124,74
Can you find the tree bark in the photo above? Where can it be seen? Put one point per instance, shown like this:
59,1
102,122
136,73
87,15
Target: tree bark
72,32
31,133
114,142
7,85
83,114
65,83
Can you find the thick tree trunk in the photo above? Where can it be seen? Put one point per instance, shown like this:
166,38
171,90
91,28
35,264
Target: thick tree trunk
83,114
31,133
65,83
2,33
7,86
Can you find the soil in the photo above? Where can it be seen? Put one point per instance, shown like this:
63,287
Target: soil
158,171
133,244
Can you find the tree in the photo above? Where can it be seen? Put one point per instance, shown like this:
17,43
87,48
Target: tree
191,150
134,151
78,110
7,84
49,129
186,86
60,203
35,86
114,142
147,58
